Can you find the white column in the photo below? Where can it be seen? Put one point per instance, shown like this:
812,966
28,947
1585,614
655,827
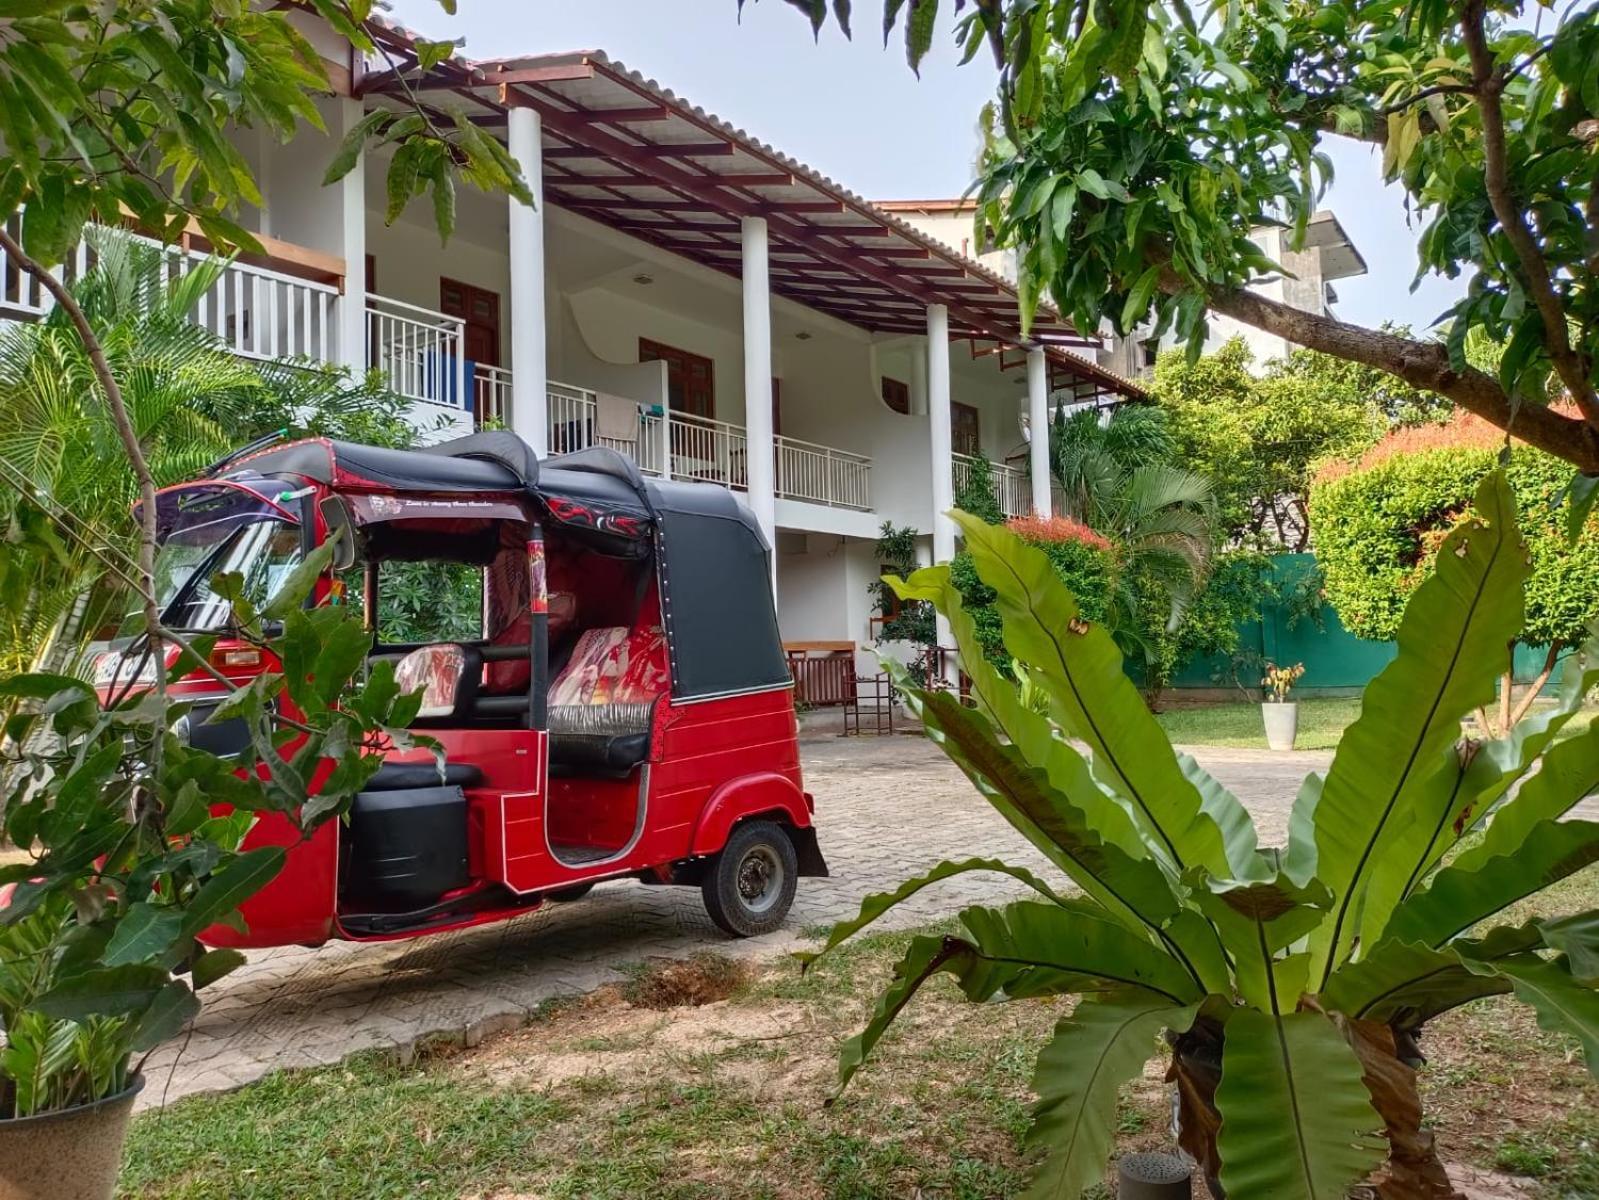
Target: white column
943,462
529,369
1038,429
761,446
352,323
938,419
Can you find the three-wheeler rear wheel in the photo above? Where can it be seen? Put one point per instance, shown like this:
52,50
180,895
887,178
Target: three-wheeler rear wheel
749,888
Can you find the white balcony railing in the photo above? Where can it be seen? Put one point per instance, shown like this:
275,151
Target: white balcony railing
256,311
708,450
491,393
420,351
823,475
1011,487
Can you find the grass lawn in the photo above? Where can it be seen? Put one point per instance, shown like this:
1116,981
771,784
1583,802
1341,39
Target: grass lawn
1238,726
708,1079
1322,720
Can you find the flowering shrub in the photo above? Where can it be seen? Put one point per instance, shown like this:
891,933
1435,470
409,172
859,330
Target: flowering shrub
1056,530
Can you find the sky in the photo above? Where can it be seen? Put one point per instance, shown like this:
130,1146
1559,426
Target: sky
855,112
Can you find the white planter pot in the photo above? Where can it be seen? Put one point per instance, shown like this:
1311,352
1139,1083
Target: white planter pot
1282,724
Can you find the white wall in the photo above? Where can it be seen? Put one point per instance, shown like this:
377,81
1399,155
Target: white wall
299,208
823,594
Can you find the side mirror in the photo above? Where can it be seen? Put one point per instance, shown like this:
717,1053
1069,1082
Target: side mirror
340,531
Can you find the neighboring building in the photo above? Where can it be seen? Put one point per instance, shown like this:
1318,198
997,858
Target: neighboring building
1327,256
682,292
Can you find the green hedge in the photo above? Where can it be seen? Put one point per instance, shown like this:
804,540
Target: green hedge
1377,528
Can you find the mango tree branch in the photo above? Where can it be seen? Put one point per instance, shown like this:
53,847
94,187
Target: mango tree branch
1421,364
1488,85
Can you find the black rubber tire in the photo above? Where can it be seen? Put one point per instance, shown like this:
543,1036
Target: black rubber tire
758,855
566,895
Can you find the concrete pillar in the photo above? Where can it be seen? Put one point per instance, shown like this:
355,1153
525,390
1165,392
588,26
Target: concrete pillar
761,447
529,368
351,191
943,462
1038,430
938,420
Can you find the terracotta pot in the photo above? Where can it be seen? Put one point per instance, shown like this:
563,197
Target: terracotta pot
74,1154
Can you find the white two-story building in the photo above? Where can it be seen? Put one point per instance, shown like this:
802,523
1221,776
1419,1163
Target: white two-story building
681,291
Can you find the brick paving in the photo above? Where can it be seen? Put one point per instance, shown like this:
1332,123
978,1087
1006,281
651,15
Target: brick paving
887,808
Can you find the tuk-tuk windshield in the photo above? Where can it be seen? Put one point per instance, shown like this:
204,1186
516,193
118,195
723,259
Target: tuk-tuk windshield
208,530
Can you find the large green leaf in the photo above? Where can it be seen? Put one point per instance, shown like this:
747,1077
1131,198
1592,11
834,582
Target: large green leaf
143,934
1563,1005
1296,1120
1256,920
925,957
1133,890
1040,742
103,991
1078,664
230,887
1407,983
1472,781
1043,949
1451,649
1461,895
878,903
1103,1044
1577,937
1569,772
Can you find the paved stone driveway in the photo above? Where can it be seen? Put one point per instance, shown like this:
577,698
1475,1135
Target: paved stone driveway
887,808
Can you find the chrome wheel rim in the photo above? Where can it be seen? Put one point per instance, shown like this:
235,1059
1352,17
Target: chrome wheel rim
759,879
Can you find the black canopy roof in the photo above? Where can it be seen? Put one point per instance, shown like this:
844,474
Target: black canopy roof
715,565
481,462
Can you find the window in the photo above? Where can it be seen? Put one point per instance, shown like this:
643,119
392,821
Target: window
964,434
897,394
1148,352
690,379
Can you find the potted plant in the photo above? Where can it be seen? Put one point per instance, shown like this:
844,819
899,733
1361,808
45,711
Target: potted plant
1293,984
136,849
1281,714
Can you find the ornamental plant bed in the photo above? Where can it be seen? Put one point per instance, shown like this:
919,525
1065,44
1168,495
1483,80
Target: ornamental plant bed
602,1097
1294,983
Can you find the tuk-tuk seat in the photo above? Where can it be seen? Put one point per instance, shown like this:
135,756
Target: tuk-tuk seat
602,703
404,776
448,675
609,739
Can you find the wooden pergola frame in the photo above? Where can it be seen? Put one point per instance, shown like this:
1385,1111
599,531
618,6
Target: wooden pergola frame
623,152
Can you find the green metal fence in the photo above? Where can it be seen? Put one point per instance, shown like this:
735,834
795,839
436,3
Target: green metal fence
1335,659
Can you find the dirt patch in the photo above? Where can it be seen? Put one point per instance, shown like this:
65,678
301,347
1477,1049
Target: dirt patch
688,982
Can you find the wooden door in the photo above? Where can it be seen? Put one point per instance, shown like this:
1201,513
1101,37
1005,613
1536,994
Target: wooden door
690,378
964,434
479,308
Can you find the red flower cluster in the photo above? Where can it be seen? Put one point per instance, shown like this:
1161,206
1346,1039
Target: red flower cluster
1056,529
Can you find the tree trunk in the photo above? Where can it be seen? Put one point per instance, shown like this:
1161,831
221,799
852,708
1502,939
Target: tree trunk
1412,1171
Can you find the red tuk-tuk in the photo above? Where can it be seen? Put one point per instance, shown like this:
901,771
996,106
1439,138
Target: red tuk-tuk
626,711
